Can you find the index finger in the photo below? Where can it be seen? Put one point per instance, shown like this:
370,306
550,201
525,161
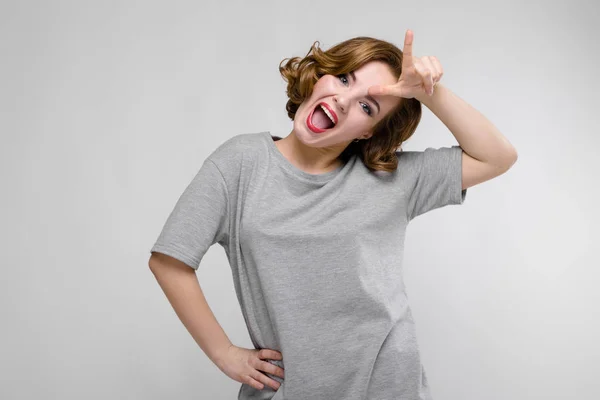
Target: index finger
407,51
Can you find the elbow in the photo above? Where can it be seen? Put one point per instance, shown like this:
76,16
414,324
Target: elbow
509,160
513,158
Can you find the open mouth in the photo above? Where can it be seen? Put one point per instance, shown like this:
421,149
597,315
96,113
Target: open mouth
321,119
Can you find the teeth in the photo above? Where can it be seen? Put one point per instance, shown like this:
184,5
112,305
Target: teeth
327,113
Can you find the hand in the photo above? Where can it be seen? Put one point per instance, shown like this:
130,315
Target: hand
418,77
244,365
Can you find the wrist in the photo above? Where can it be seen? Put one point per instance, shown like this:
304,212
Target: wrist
220,355
426,99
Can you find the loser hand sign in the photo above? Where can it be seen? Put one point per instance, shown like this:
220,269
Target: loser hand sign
418,77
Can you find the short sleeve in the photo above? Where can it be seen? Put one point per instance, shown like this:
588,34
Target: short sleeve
438,181
198,220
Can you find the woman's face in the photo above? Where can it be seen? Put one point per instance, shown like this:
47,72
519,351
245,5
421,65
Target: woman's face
347,100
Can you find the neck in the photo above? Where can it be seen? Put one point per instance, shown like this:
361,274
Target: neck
310,159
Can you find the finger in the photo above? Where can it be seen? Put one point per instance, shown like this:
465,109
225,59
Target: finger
262,378
248,380
432,78
271,368
389,90
271,354
425,74
407,51
438,67
428,62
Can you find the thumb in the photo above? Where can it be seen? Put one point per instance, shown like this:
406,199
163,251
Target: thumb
382,90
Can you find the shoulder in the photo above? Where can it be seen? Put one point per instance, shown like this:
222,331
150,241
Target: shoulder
415,158
430,165
238,148
409,160
234,147
238,153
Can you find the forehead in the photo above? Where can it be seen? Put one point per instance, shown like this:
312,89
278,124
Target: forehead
375,73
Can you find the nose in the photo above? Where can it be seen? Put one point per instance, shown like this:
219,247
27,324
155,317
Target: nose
342,102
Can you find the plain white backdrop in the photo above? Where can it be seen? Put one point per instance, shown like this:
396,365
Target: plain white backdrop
108,109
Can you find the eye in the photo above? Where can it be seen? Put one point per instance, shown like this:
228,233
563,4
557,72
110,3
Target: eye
343,76
344,79
367,109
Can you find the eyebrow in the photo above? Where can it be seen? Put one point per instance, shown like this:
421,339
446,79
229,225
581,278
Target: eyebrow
369,97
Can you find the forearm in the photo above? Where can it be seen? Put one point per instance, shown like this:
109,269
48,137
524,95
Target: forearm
475,134
182,289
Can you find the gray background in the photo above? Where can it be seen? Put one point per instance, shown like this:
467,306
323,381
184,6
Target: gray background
107,110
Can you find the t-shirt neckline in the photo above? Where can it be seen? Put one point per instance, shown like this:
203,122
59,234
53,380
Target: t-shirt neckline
292,169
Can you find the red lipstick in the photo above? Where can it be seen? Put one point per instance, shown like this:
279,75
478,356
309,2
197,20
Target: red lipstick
309,119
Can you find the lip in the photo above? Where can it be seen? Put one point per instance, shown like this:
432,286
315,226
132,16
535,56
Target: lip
309,122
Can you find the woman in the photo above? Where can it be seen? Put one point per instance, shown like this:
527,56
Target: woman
313,225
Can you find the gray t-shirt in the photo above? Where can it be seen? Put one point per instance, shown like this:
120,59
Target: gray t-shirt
317,261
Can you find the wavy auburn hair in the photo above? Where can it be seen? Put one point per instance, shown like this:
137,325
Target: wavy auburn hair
379,151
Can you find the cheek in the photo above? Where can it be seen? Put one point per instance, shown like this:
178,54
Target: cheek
325,84
357,122
317,89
